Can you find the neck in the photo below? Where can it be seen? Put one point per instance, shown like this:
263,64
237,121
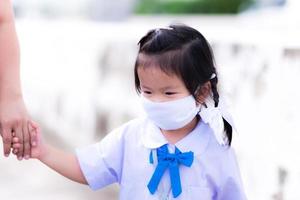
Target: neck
173,136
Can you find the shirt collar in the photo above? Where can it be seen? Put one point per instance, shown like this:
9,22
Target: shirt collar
196,141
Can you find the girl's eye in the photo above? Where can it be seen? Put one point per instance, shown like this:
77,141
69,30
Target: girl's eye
170,93
147,92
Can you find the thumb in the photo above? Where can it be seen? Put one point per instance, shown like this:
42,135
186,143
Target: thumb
33,124
33,130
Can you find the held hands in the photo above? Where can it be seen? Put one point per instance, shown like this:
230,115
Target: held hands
38,150
14,122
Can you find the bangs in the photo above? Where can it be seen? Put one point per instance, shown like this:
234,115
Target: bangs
169,62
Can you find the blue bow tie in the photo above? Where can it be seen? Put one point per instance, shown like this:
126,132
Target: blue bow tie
171,161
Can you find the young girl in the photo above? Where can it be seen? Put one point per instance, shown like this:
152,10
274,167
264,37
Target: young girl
181,149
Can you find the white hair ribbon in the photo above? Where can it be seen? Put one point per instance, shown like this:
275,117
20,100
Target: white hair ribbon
214,117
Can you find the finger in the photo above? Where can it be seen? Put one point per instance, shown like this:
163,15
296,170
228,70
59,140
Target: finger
19,134
7,138
16,146
15,140
26,138
15,151
32,126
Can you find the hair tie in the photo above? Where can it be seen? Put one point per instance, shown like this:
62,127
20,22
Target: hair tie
213,76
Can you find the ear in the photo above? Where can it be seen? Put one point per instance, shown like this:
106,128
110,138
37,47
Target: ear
203,92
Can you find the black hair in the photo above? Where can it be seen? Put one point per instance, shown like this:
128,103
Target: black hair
183,51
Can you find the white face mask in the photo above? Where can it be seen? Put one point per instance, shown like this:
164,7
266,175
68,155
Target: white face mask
171,115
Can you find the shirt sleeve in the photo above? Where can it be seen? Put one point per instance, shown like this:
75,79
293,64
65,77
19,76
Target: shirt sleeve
231,186
101,162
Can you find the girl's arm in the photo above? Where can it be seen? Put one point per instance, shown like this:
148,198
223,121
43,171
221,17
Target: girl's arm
62,162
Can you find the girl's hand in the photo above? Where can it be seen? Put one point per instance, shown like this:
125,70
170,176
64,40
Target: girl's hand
63,162
37,151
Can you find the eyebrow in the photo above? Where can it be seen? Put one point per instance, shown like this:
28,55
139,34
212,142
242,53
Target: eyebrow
164,88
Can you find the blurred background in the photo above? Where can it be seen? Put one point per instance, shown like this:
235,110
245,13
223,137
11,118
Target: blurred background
77,60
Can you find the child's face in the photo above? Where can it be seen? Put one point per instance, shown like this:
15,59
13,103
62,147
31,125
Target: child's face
158,86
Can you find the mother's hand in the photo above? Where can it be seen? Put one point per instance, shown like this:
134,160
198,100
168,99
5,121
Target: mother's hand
14,122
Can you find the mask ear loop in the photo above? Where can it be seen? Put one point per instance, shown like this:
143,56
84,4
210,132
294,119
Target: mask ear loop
204,104
200,104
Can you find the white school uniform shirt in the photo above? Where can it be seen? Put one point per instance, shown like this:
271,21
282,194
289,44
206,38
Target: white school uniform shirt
123,157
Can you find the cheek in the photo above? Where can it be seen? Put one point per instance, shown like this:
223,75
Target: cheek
158,98
183,92
179,96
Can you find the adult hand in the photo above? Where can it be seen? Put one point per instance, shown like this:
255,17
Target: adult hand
14,122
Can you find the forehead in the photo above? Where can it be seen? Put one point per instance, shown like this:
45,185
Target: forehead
168,62
153,76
